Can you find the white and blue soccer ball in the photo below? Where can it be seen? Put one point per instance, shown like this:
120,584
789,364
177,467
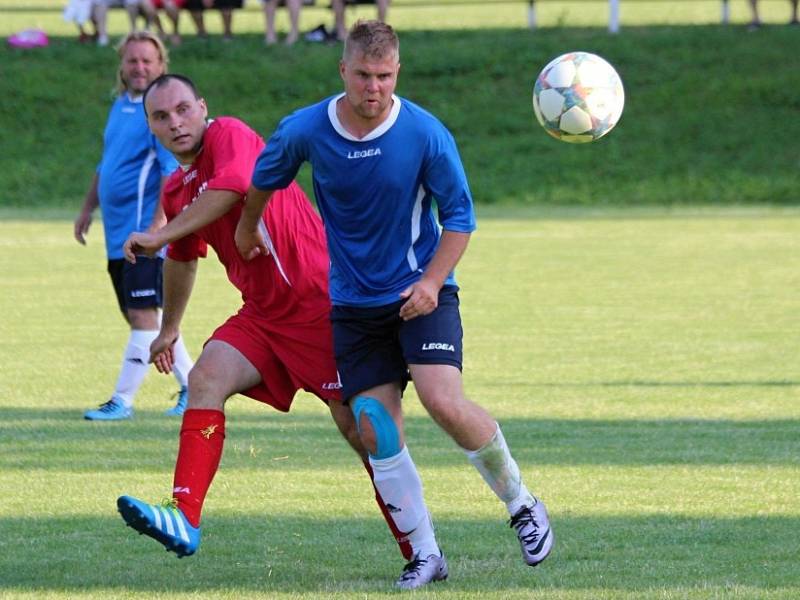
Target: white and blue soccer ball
578,97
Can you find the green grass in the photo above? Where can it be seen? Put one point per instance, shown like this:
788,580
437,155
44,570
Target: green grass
643,365
710,116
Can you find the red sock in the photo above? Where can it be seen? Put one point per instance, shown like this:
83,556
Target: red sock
400,537
201,441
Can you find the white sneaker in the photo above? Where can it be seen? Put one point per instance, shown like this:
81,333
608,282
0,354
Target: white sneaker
420,571
534,533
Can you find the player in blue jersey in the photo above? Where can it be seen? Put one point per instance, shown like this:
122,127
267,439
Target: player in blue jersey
126,187
379,162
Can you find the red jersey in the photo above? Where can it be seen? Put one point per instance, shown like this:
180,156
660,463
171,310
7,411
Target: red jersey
293,279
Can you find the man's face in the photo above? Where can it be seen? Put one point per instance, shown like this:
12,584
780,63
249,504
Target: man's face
369,84
141,64
177,119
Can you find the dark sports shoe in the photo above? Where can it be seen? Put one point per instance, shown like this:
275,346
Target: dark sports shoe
420,571
534,533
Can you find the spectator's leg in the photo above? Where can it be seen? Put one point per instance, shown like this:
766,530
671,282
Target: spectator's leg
338,19
294,20
227,21
383,9
270,7
174,15
100,11
755,22
794,20
199,22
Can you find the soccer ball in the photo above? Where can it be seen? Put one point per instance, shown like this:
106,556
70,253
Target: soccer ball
578,97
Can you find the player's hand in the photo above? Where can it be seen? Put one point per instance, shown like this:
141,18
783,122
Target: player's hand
250,243
422,298
81,227
161,351
140,243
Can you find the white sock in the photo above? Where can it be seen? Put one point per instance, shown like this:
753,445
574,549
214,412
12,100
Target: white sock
183,362
400,487
499,469
134,364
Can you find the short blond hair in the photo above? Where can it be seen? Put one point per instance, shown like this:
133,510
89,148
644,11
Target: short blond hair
374,39
139,36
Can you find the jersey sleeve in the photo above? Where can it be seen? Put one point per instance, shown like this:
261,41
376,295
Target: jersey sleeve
234,151
187,249
279,161
446,180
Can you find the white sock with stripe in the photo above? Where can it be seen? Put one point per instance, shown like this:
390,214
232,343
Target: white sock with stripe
134,364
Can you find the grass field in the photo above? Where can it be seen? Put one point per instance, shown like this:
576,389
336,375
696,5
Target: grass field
643,364
710,116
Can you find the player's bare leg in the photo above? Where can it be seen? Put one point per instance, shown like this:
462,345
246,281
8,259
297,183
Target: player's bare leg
441,392
220,372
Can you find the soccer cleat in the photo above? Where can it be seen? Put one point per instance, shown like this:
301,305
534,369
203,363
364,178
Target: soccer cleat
113,410
420,571
165,524
180,405
534,533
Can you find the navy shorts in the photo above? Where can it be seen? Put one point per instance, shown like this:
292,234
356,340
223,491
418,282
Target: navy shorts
374,346
139,285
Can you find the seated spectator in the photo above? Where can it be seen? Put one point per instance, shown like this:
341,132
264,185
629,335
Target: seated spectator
80,12
320,34
225,7
134,8
270,8
755,23
172,8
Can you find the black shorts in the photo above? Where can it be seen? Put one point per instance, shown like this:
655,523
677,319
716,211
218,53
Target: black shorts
139,285
374,346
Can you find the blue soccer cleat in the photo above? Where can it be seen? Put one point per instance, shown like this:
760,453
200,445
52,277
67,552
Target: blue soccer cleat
180,405
113,410
165,524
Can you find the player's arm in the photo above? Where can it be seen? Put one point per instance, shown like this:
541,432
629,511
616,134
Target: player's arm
249,240
422,297
90,203
209,207
179,279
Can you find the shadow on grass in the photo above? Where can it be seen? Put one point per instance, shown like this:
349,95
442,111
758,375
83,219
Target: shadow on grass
57,440
267,553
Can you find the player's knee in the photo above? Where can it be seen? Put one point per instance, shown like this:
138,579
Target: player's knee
381,437
203,392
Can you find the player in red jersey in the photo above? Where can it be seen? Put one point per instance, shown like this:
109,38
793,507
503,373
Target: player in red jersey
280,341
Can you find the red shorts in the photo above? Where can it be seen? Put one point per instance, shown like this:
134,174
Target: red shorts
289,357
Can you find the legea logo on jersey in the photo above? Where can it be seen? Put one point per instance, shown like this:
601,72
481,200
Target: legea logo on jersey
189,176
364,153
438,346
143,293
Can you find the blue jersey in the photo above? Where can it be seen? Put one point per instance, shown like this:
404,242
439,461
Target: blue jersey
375,194
129,173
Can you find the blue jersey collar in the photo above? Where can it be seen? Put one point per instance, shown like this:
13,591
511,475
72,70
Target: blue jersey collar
375,133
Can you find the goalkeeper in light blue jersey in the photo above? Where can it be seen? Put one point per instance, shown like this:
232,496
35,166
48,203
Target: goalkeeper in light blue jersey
387,176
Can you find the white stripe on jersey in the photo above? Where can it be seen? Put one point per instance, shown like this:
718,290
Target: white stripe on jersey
271,248
416,215
143,175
